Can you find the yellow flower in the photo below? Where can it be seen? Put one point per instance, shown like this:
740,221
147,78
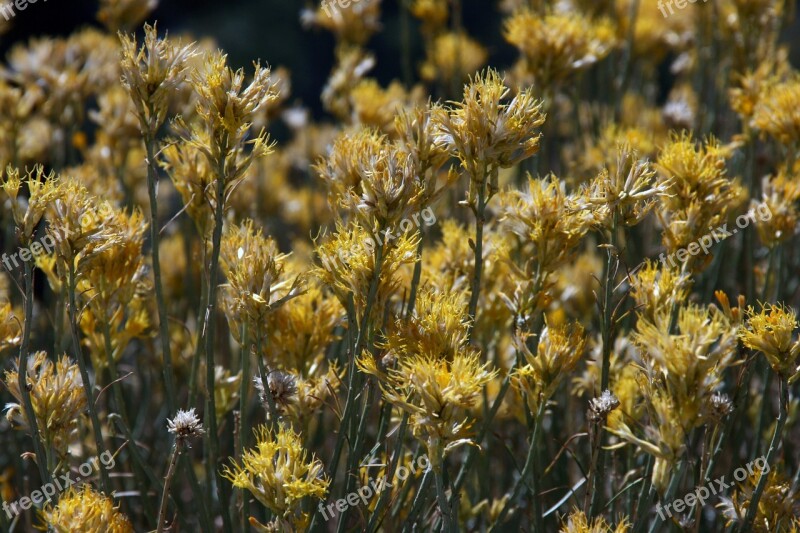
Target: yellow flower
486,134
439,326
152,73
375,107
124,14
776,508
698,195
57,395
452,56
43,189
578,522
657,289
226,390
778,112
348,264
549,223
776,215
279,474
556,45
432,14
86,510
769,331
352,25
10,330
630,191
557,354
258,281
691,363
435,392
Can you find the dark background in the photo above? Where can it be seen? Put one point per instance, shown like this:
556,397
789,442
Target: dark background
269,30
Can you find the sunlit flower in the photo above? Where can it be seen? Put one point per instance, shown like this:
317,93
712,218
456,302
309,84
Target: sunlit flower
85,510
280,475
769,331
57,396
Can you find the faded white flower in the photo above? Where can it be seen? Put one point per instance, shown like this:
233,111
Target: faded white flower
185,424
599,408
282,385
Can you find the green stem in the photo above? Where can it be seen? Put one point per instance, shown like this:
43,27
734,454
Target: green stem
444,506
412,297
674,483
198,351
475,288
141,469
419,499
209,328
244,428
163,320
173,460
22,375
87,386
598,477
752,508
527,469
376,517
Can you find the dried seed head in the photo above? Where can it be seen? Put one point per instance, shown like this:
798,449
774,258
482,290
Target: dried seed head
721,406
601,407
282,386
185,424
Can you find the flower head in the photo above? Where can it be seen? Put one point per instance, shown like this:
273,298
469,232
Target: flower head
280,475
57,396
769,331
85,510
152,73
185,425
557,354
486,132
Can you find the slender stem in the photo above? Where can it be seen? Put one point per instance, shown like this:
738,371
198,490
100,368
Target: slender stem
198,351
353,383
441,497
472,452
420,498
752,508
645,496
163,324
244,428
475,288
87,386
674,483
608,339
173,460
376,517
142,470
412,297
530,461
22,375
209,329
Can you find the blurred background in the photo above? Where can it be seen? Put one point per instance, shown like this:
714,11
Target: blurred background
272,31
